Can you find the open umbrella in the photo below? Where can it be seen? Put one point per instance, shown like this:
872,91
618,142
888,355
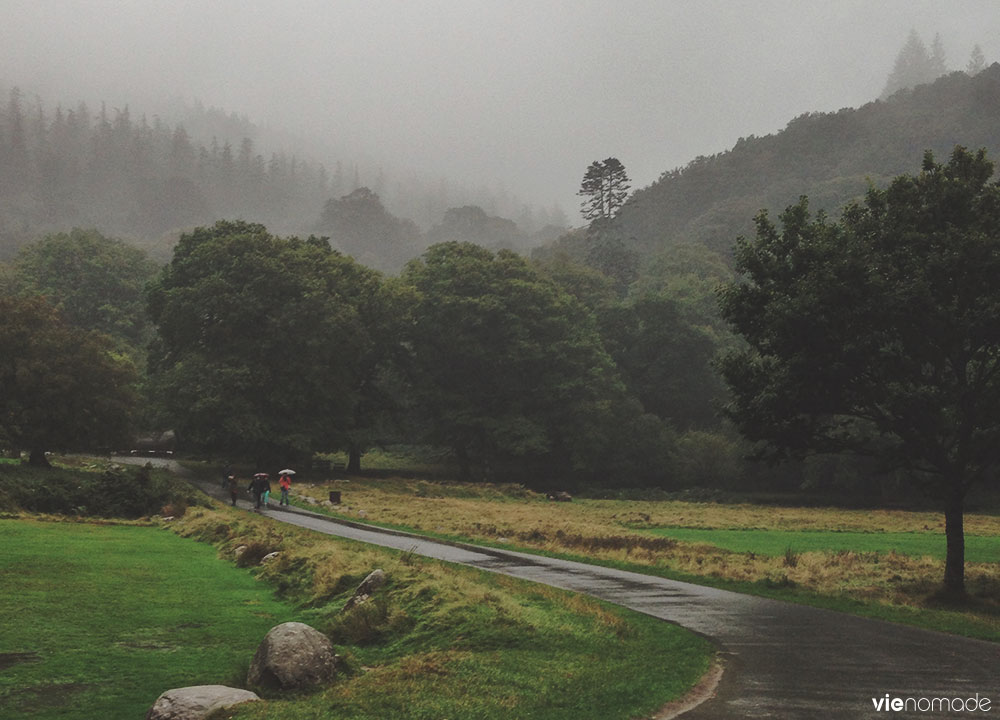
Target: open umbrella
260,475
286,472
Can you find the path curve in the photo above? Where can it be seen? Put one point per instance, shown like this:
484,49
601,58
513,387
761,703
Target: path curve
781,660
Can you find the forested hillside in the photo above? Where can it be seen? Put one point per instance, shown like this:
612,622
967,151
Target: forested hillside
147,179
136,178
830,157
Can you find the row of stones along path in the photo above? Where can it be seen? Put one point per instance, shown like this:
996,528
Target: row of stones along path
778,660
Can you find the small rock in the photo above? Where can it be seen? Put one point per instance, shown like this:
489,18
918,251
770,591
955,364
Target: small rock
196,702
375,580
269,557
240,550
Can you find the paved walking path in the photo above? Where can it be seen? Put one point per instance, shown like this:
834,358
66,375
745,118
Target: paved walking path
781,660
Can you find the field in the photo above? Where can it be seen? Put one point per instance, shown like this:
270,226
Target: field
102,617
883,563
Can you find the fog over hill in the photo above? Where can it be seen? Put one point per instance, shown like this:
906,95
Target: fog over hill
515,96
833,158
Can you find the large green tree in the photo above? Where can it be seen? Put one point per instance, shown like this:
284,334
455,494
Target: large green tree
260,342
880,334
508,368
61,388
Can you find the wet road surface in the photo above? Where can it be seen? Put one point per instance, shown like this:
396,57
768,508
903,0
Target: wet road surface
780,660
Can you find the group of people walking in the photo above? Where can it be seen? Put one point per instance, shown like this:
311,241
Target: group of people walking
259,487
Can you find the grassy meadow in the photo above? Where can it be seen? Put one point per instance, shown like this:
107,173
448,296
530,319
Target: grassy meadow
101,616
99,619
883,563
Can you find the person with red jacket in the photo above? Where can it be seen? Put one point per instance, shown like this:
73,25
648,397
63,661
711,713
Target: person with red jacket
285,483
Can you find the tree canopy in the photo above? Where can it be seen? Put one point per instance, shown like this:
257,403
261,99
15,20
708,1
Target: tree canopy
260,341
97,283
359,225
664,360
506,365
879,334
61,388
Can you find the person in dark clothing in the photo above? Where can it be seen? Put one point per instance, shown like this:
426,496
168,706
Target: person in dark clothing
233,486
257,487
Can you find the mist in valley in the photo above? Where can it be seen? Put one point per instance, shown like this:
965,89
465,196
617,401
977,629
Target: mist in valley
510,98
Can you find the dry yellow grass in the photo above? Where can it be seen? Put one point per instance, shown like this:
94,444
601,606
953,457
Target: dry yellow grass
430,506
615,531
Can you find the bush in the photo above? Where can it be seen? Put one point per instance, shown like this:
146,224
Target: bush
114,491
119,493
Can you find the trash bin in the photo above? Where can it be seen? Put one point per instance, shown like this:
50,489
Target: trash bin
335,497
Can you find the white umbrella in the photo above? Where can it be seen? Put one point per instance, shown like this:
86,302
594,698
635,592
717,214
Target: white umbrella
286,472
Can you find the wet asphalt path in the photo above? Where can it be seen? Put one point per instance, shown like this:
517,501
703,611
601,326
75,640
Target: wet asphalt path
780,660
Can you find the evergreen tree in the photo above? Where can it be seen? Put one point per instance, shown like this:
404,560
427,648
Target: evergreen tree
605,186
915,65
977,61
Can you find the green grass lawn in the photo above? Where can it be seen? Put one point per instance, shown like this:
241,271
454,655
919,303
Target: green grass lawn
98,620
444,641
776,542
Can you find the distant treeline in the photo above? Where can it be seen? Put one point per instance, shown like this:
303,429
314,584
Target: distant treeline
148,180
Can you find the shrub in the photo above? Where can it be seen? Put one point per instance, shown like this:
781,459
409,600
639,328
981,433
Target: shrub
114,491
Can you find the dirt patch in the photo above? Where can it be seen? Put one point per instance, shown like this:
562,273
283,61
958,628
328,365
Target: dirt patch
11,659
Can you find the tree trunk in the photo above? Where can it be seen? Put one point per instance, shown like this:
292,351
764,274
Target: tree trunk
38,459
954,530
353,458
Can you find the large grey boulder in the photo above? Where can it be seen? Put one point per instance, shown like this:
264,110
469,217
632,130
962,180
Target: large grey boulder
292,656
196,702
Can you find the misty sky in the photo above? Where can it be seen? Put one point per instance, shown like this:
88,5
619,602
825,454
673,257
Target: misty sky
501,92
